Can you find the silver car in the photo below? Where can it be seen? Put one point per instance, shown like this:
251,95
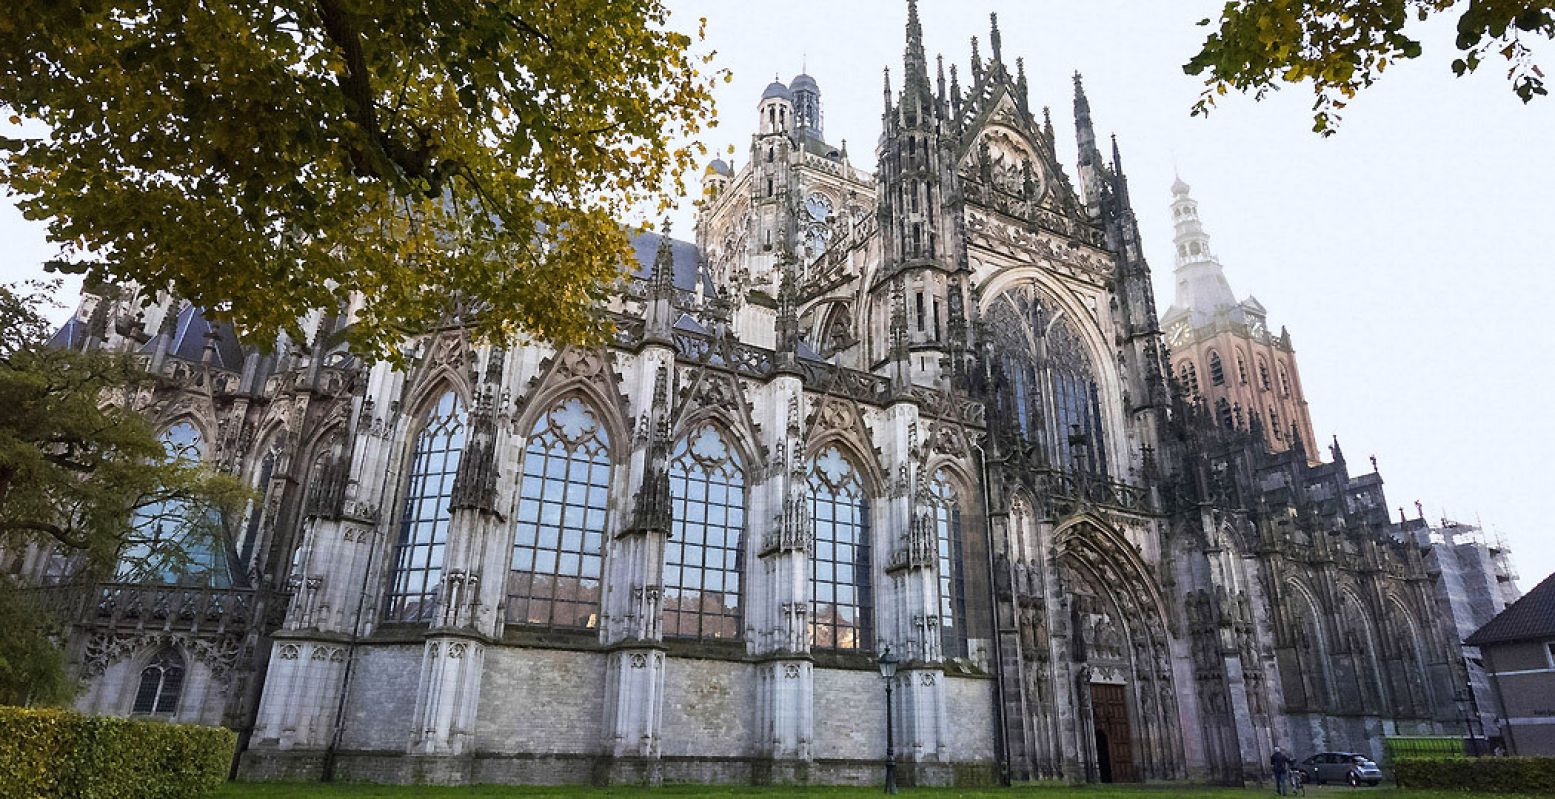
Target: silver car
1341,767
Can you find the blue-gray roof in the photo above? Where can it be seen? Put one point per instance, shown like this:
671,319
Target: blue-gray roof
190,334
684,255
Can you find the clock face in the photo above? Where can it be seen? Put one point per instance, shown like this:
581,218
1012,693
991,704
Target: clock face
1257,326
818,206
1177,334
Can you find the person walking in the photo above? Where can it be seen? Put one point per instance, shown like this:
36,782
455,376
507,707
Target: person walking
1280,762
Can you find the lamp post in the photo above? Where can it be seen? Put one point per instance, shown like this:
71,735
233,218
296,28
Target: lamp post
887,666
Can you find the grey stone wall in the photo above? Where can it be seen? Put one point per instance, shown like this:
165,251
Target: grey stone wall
541,701
849,715
382,703
707,708
969,706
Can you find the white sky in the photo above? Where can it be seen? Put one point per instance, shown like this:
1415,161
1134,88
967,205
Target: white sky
1410,256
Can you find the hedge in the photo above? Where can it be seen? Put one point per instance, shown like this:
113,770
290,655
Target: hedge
1530,775
56,753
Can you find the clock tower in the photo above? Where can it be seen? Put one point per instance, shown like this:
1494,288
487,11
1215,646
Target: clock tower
1223,352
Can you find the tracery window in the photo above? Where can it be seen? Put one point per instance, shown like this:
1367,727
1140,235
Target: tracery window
416,581
559,540
161,685
1046,390
946,504
1189,375
704,558
1217,371
171,540
840,577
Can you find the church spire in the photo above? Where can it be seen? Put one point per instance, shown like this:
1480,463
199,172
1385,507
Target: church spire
1202,287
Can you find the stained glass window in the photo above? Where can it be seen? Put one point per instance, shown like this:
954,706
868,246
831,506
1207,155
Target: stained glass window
1045,387
840,578
952,574
704,558
418,553
161,684
171,540
558,542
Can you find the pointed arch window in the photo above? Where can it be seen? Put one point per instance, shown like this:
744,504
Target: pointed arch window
1217,370
704,558
161,685
415,583
559,539
1241,368
1223,412
171,540
1263,373
840,578
1189,375
946,504
1284,380
1045,390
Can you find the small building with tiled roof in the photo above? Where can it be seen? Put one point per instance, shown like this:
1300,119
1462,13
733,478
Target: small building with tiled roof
1519,651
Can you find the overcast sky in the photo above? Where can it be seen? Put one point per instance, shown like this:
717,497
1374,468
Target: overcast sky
1410,255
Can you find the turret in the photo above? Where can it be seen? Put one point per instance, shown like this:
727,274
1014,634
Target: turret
919,238
806,108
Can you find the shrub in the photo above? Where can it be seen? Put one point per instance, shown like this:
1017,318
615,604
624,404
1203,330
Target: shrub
1530,775
57,753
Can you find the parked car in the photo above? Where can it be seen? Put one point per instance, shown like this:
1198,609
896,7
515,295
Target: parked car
1342,767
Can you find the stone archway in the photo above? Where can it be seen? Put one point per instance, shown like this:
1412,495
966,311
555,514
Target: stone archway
1124,703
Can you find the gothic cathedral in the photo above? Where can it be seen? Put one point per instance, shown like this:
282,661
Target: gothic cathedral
929,409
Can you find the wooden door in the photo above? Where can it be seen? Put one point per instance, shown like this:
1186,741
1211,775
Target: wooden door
1110,710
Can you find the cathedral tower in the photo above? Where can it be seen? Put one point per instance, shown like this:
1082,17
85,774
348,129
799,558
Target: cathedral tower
1222,350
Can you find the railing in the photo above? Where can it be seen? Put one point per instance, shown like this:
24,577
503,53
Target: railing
164,608
1069,488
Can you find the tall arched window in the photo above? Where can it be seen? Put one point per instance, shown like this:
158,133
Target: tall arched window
703,560
952,571
1284,380
161,684
1045,388
1241,368
1217,370
840,576
418,553
172,540
1189,377
558,542
1223,412
1263,373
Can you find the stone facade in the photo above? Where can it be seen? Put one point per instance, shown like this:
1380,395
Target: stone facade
928,408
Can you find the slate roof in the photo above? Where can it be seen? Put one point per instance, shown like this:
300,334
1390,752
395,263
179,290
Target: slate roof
1532,617
684,255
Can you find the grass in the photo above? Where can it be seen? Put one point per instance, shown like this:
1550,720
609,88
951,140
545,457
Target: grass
362,791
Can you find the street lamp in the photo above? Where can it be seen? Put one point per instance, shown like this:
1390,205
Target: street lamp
887,666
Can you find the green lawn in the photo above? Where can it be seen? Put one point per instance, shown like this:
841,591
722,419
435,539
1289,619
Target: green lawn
358,791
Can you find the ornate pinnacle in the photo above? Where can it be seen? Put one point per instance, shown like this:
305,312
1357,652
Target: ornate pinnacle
994,40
